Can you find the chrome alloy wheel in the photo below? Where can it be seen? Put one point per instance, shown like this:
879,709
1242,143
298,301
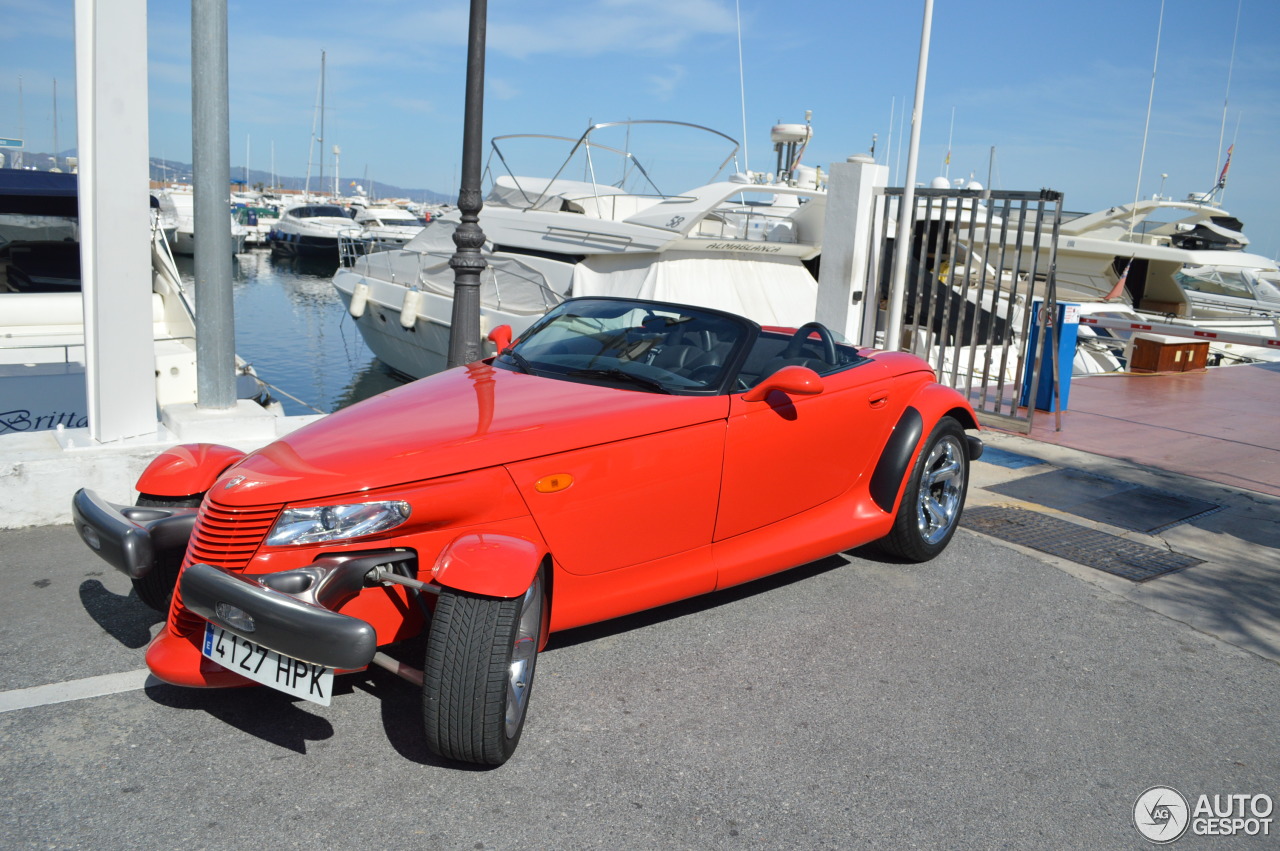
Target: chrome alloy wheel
941,490
524,651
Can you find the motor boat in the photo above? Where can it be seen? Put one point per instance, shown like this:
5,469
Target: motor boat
1174,263
257,221
312,231
387,226
179,202
739,242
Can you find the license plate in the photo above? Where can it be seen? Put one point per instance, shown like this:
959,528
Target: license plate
283,673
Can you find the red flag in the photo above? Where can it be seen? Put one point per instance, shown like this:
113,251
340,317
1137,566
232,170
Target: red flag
1118,289
1222,178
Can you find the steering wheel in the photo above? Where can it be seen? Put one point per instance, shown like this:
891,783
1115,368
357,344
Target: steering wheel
796,344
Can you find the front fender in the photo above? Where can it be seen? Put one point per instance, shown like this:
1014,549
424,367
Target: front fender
490,564
186,470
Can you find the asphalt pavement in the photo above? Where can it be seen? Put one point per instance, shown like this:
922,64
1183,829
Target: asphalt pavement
997,697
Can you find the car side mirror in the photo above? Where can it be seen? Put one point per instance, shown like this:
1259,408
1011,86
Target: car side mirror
794,380
500,337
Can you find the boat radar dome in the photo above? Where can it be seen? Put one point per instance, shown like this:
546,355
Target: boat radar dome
940,183
974,185
781,134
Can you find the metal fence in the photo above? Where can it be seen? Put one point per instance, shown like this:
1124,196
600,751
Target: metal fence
977,261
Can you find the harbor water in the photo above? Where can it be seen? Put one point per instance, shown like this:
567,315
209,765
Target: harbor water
291,325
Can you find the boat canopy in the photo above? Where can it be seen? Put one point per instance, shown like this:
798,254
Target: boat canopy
38,193
771,289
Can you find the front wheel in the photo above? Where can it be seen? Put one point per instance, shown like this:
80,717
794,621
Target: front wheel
481,653
156,588
930,509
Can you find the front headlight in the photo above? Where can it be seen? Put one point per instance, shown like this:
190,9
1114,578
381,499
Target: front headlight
314,524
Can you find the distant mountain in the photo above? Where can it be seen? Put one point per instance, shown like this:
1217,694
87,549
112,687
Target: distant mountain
168,171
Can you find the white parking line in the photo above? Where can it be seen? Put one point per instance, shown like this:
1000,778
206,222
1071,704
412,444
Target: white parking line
25,698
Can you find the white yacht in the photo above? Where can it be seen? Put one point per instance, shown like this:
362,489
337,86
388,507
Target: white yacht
386,226
737,243
1182,263
42,381
312,230
179,202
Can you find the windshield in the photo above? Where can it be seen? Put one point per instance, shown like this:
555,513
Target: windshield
320,212
1214,281
639,345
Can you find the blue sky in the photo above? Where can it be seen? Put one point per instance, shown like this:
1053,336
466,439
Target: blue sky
1060,89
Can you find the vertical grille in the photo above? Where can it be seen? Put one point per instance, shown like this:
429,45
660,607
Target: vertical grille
223,537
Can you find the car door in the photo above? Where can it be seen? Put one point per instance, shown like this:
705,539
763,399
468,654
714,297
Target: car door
628,502
786,454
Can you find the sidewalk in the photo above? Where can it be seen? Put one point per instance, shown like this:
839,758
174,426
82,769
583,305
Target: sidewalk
1221,425
1204,453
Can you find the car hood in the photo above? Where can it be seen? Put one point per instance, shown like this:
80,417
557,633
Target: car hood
464,419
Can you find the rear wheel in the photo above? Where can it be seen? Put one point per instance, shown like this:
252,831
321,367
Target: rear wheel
156,588
481,654
931,507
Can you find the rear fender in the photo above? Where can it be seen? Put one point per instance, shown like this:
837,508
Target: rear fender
927,407
186,470
935,401
490,564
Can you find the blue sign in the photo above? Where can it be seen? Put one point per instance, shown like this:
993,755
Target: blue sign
10,143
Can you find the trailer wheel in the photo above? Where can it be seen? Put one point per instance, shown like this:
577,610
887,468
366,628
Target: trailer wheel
156,588
481,653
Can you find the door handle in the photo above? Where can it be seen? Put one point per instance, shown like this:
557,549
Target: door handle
878,400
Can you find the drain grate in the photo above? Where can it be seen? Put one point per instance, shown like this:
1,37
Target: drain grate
1110,501
1110,553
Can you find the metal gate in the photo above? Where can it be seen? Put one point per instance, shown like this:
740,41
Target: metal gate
977,261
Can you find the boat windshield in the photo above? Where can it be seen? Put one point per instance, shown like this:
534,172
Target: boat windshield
1213,281
638,345
320,211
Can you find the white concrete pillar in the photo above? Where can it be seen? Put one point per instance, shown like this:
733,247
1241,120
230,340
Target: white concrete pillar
115,217
843,290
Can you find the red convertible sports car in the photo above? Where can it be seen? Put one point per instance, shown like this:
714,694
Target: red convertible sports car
621,454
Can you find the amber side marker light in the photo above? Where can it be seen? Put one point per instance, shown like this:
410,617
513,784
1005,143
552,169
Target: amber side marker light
553,483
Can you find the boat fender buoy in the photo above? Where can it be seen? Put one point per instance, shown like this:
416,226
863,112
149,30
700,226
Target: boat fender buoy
409,309
359,298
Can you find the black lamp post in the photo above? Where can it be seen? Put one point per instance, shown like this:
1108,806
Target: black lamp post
467,262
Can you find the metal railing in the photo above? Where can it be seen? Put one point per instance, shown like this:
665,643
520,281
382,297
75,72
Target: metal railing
977,260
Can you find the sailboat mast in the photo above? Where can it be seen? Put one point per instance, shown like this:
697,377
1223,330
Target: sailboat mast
1227,95
55,123
321,122
1142,160
742,92
22,123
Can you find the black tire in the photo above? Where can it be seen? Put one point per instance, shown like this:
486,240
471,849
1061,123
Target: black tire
156,588
934,499
481,654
